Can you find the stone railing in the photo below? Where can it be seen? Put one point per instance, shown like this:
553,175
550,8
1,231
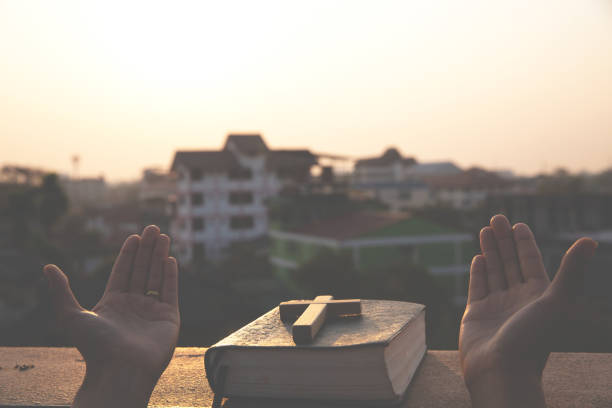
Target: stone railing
570,380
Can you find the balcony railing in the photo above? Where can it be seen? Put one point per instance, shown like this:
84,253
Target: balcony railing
570,380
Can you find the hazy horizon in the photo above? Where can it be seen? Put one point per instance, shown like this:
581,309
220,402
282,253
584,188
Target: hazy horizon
512,85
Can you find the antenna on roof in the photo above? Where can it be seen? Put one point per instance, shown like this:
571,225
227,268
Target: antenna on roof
76,160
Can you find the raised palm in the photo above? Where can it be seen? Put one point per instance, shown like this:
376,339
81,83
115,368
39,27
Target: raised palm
126,327
514,311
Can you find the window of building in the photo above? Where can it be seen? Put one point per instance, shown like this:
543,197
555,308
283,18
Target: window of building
240,173
181,199
241,197
197,198
242,222
199,251
196,174
197,223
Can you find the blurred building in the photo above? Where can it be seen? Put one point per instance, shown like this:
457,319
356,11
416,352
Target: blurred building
221,194
390,167
10,174
403,184
398,196
86,191
376,239
431,169
465,190
551,214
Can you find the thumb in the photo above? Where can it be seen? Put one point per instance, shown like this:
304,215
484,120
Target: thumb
570,277
61,295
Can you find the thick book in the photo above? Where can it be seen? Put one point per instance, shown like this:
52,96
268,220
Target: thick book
368,358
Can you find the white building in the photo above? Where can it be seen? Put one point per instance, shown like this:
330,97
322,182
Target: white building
390,167
465,190
403,184
86,192
432,169
221,194
399,196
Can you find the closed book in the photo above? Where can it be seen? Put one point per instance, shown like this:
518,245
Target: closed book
372,357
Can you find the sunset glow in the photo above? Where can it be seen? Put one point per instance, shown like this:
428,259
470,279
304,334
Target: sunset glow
520,85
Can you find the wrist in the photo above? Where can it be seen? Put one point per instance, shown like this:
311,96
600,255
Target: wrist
114,384
507,390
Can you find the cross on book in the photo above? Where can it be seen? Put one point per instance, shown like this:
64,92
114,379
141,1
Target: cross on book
311,314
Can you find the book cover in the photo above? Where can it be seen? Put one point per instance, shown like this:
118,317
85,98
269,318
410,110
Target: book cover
380,323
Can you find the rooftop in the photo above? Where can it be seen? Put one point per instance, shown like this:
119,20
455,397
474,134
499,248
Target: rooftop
205,160
389,157
248,145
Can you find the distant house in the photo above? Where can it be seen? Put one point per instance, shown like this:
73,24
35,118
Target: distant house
390,167
10,174
465,189
376,239
221,194
431,169
403,184
86,191
398,196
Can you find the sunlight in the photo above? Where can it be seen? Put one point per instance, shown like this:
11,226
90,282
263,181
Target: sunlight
186,42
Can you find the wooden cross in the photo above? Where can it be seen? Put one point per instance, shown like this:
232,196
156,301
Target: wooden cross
311,314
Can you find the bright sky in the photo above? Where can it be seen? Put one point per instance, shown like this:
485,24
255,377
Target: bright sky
519,84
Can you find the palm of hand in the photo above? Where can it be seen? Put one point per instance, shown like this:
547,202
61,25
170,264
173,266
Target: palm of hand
490,325
513,310
127,328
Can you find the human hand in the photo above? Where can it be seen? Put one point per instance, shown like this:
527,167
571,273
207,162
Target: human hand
128,338
514,313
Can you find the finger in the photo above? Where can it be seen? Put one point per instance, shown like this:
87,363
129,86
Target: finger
530,258
495,273
569,279
119,280
506,248
142,262
478,288
160,254
169,292
62,297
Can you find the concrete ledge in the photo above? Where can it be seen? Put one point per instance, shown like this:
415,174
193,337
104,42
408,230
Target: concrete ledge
570,380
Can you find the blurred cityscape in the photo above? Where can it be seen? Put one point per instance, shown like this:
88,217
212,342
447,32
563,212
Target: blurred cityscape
252,226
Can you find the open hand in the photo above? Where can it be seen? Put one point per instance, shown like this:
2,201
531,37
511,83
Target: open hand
129,336
514,313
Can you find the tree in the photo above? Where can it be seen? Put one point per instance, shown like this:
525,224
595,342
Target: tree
53,202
